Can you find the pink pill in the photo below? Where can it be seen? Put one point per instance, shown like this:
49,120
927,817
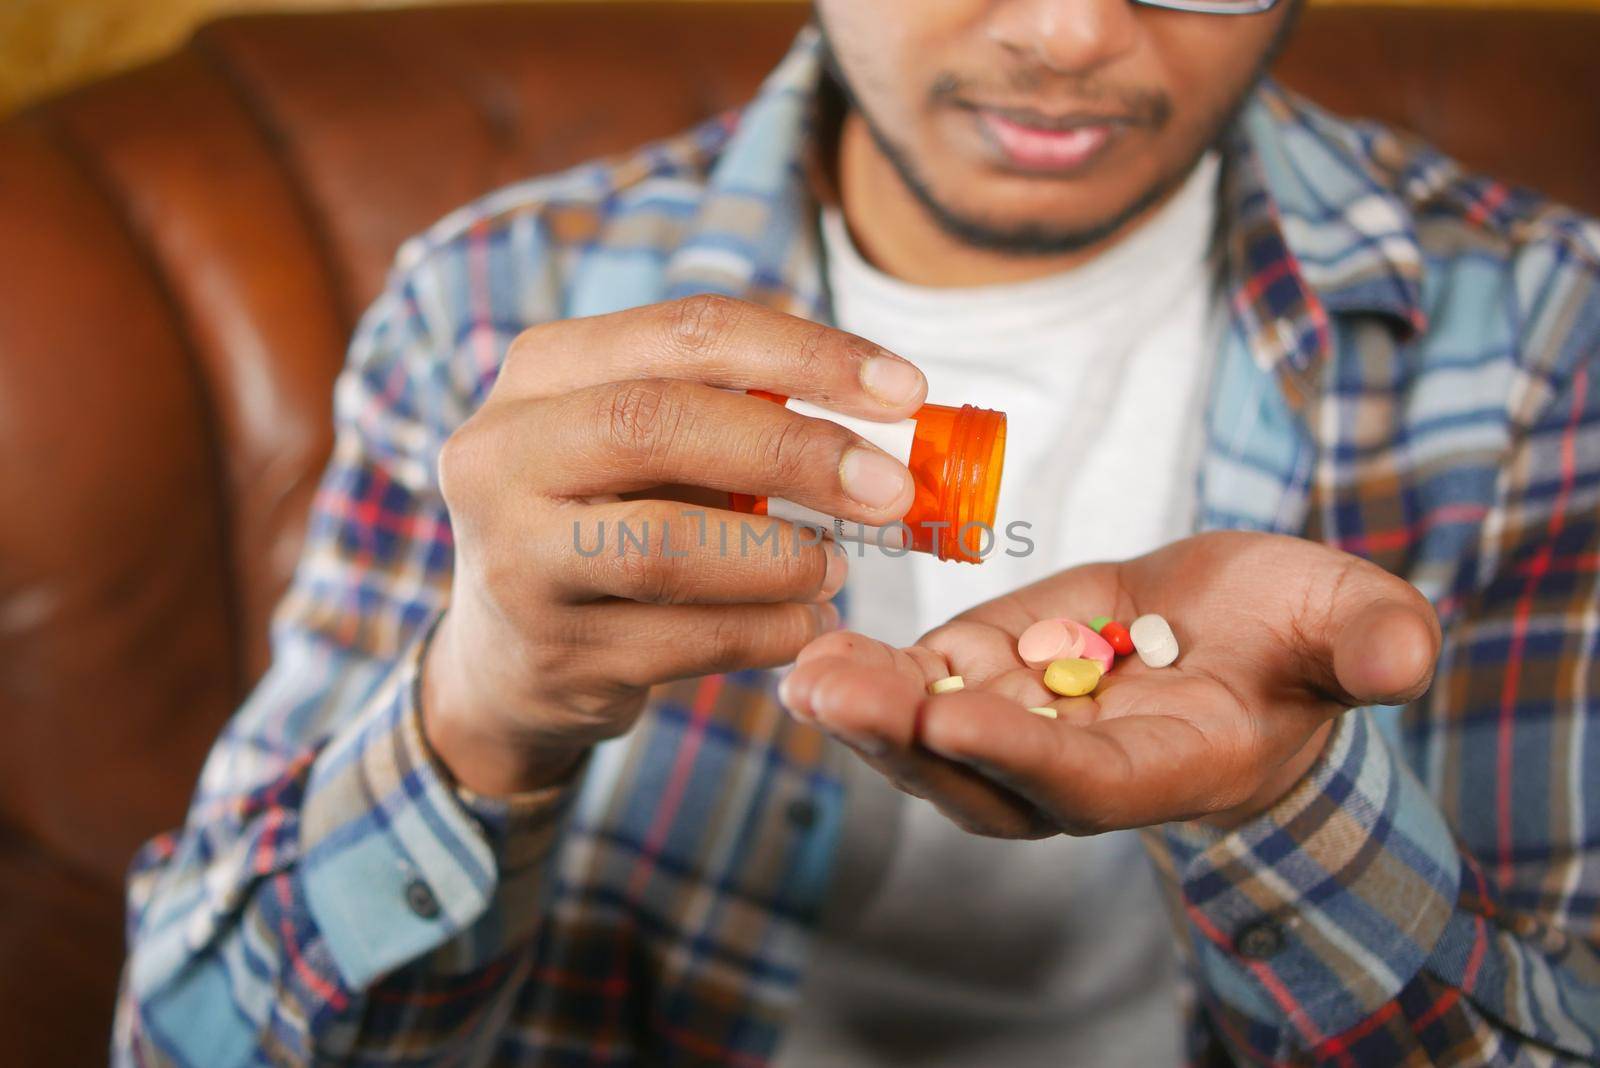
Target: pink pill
1050,639
1096,648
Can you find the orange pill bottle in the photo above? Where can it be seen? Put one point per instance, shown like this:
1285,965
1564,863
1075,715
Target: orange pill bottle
955,455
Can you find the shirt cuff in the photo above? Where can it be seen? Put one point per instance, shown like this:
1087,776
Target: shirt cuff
1321,910
398,862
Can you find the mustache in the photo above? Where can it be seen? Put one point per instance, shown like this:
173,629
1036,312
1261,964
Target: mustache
1051,92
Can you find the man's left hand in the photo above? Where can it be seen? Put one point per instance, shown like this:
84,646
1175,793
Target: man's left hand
1278,637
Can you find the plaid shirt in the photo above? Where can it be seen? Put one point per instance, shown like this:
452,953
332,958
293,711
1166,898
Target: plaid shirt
1407,377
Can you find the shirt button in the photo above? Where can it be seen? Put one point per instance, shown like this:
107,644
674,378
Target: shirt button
1259,941
1288,336
420,899
801,812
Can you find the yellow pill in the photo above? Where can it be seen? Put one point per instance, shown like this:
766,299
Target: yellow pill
1072,678
949,685
1044,710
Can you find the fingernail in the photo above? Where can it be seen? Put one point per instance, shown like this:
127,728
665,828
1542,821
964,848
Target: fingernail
838,571
827,617
872,478
892,381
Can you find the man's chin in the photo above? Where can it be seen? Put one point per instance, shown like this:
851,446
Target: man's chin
1002,228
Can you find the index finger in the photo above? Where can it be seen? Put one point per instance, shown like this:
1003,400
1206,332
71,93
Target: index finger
716,341
896,678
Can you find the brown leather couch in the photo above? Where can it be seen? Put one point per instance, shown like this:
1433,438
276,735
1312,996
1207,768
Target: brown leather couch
183,252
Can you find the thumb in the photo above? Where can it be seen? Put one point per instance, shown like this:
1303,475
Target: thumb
1384,650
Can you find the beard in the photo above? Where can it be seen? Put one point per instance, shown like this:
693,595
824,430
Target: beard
1038,239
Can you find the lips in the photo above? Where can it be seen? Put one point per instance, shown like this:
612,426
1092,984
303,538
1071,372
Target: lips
1045,144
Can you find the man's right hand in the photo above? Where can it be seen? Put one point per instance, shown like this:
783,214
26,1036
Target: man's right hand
546,650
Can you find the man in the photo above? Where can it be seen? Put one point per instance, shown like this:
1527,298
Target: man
500,800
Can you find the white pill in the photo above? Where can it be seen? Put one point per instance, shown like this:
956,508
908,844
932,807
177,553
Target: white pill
1044,710
949,685
1153,638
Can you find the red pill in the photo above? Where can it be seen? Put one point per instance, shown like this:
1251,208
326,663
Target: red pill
1117,636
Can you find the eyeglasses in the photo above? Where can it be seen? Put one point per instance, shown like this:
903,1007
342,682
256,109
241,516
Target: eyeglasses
1214,7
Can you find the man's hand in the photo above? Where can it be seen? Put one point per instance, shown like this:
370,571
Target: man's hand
1278,637
618,419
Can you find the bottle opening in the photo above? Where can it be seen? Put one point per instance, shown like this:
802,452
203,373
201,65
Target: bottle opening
975,463
956,457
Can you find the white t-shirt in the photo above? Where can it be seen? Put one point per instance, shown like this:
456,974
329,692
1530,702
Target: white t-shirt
938,947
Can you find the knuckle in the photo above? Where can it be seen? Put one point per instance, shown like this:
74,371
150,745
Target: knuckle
697,324
788,573
525,347
789,451
644,573
727,640
460,462
811,359
452,465
640,415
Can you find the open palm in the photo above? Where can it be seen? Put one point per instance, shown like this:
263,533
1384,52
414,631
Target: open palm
1278,637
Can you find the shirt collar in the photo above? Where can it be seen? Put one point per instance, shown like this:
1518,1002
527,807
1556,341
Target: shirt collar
1312,225
1313,230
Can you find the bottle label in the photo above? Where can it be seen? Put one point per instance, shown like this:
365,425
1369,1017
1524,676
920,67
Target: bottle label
893,438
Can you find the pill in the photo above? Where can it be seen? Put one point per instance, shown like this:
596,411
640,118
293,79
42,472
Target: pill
1044,710
1119,639
1096,648
1049,639
948,685
1072,676
1098,622
1153,638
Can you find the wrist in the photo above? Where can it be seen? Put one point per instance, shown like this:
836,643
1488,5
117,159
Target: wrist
471,738
1278,785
